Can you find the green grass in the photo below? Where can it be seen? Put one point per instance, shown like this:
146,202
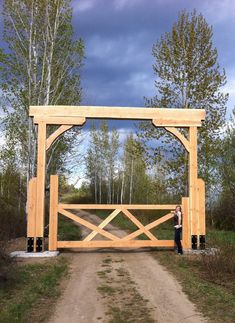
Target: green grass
68,230
31,290
220,237
208,280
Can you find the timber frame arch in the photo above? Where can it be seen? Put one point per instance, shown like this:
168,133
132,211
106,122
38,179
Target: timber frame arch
67,117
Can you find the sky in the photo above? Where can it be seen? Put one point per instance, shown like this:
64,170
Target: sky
119,35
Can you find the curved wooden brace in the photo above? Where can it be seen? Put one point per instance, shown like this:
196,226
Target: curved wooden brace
61,130
56,134
179,135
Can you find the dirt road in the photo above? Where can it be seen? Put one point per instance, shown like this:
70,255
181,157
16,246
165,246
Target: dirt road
122,286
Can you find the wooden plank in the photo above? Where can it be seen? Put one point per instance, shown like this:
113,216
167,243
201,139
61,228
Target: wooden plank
41,164
31,208
179,135
193,179
189,115
117,206
176,123
56,134
149,226
201,207
87,224
78,121
53,219
103,224
139,225
186,239
116,244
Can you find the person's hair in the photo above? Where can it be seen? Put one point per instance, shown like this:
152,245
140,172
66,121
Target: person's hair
179,207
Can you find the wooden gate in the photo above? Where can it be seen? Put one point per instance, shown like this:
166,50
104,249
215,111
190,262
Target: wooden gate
129,241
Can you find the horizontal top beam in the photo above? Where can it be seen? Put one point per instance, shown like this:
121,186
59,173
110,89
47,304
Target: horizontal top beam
162,117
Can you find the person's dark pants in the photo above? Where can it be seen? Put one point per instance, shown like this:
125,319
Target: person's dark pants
177,240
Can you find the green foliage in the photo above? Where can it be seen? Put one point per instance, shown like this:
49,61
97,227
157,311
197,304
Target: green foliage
41,68
188,76
68,230
223,215
30,289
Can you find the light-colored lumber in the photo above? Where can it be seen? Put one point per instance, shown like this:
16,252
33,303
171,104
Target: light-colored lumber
176,123
103,224
193,179
179,135
116,244
201,207
186,236
149,226
41,163
139,225
76,121
87,224
117,206
159,115
53,219
56,134
31,208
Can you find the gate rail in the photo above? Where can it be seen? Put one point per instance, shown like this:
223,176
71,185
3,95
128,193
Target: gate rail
114,241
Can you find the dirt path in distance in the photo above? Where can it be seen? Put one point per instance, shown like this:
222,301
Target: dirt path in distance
122,285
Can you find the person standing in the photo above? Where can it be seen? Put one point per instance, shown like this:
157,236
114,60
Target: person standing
178,228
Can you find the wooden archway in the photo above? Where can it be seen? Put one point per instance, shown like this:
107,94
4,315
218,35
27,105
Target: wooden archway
68,116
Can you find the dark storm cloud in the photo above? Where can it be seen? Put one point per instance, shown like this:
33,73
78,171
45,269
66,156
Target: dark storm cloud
119,35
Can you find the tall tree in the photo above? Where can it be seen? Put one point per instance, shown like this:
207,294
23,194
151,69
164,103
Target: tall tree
224,212
189,76
41,68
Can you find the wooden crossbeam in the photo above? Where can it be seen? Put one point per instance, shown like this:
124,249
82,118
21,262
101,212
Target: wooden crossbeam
139,225
87,224
160,117
116,244
117,206
149,226
103,224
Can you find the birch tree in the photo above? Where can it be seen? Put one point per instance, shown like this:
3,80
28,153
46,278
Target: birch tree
41,68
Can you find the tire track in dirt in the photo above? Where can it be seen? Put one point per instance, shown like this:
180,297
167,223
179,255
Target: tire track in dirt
130,285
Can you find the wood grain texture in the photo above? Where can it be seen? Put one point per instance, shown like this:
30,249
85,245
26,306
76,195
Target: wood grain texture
176,116
31,208
41,164
56,134
116,244
53,219
117,206
186,234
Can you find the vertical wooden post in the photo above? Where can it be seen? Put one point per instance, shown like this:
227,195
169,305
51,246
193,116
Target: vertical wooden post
201,213
193,179
53,220
31,215
41,164
186,238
